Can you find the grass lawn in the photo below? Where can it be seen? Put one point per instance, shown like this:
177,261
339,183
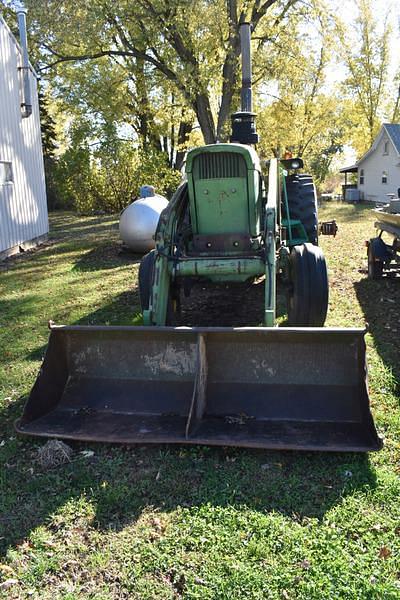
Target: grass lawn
178,522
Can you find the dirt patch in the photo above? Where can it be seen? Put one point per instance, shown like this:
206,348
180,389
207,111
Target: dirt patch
225,305
16,259
106,256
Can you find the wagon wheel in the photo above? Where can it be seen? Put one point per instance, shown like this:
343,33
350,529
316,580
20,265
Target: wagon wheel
375,263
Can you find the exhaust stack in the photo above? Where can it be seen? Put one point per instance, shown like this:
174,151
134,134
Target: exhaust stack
243,122
245,45
26,104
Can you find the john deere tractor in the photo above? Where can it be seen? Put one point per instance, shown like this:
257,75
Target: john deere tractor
231,221
300,387
228,223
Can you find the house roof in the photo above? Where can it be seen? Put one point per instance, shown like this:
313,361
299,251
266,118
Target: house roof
393,132
351,169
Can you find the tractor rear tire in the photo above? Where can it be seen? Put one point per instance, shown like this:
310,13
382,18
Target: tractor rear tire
309,292
302,201
146,270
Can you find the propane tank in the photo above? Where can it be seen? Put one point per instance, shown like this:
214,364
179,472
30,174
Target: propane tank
138,222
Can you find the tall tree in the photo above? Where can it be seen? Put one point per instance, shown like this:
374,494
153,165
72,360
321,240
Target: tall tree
296,111
47,126
182,44
365,51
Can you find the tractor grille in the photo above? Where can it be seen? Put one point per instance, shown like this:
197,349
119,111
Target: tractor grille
219,165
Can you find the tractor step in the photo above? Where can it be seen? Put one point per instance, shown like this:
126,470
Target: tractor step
277,388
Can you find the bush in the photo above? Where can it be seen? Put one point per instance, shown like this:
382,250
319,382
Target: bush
107,179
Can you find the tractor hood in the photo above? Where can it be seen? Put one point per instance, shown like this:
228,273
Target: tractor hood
247,152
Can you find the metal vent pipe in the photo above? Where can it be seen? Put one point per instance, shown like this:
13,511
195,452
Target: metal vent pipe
26,104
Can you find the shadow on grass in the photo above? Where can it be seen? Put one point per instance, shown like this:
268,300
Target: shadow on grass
65,230
121,482
68,224
106,256
122,310
380,301
15,307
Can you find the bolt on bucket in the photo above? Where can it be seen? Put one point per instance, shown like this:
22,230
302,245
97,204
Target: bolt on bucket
276,388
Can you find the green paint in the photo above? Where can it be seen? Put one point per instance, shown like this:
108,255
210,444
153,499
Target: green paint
225,197
286,222
249,267
249,154
298,234
225,191
221,205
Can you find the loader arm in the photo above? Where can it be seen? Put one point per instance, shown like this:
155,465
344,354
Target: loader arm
273,201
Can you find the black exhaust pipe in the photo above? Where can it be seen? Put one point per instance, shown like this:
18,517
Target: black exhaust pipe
243,122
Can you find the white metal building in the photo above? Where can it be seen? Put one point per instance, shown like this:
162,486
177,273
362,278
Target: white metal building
23,207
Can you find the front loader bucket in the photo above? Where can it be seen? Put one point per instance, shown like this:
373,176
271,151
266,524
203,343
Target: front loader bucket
301,389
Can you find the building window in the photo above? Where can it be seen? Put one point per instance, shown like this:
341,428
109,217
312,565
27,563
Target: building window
384,176
362,177
6,175
386,148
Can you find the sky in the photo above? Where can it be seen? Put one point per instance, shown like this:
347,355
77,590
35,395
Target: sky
345,9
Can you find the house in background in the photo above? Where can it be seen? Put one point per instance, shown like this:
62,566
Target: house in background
23,207
378,171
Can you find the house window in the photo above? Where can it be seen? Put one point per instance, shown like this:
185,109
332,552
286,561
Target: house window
6,175
362,177
384,176
386,148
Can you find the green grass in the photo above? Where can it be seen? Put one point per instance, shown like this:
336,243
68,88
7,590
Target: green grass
176,522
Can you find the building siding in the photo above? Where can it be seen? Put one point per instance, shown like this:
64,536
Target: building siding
23,207
374,165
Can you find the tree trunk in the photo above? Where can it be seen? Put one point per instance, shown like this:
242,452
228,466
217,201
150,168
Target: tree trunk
228,90
205,118
183,133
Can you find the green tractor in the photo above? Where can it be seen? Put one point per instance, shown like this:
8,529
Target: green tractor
229,223
225,223
301,387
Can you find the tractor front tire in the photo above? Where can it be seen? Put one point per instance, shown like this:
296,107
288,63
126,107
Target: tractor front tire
302,201
309,292
146,270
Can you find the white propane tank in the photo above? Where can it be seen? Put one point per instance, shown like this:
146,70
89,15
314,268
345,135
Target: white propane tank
138,222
